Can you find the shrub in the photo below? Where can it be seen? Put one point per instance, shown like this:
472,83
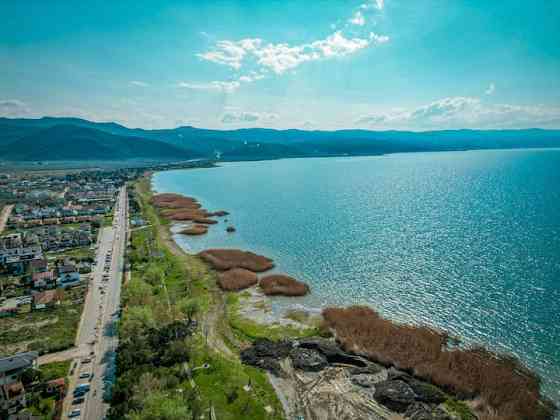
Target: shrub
237,279
279,284
195,230
503,383
226,259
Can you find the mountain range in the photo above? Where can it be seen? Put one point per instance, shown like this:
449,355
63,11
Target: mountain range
59,139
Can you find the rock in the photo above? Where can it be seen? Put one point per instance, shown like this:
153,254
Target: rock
266,354
219,213
275,349
370,369
333,352
424,391
396,395
422,411
308,360
395,374
364,380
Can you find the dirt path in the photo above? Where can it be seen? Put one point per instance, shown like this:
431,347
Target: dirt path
61,356
4,215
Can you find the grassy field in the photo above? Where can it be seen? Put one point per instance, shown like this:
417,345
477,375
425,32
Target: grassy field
54,370
107,220
167,287
46,330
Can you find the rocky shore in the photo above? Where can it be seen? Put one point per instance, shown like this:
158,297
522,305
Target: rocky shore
332,383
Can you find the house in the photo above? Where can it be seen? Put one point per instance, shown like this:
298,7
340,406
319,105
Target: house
12,392
47,299
43,279
68,276
38,266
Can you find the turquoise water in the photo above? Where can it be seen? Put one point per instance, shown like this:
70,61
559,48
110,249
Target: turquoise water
464,241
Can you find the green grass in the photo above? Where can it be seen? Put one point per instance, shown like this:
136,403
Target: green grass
249,330
80,252
54,370
42,407
58,333
227,378
107,220
459,409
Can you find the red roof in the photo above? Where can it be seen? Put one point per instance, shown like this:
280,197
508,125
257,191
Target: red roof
47,275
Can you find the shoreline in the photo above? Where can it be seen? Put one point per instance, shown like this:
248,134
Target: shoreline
257,306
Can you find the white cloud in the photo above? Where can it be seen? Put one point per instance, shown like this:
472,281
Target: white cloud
490,90
231,53
251,77
378,39
217,86
138,83
240,117
465,112
282,57
13,108
373,4
358,19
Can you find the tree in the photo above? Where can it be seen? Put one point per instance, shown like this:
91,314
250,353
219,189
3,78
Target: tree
189,307
154,274
136,321
138,292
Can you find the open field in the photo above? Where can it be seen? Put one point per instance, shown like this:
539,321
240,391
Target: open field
47,330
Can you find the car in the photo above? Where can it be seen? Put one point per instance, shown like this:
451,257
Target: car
86,360
75,413
84,375
78,400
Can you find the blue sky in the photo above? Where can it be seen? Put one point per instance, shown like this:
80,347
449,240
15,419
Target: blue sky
392,64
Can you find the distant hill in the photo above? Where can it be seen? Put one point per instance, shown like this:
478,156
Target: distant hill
70,142
253,143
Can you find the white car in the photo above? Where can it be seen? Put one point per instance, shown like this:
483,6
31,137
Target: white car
75,413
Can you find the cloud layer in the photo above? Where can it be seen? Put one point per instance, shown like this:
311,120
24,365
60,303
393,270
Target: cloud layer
13,108
244,117
281,57
464,112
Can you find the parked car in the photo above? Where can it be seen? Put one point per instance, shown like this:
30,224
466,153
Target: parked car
75,413
84,375
78,401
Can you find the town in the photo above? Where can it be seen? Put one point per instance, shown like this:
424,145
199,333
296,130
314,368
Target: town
51,231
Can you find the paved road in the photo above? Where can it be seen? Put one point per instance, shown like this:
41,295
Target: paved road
97,333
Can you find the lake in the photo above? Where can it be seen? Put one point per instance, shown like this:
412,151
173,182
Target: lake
464,241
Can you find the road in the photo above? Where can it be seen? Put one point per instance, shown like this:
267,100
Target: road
97,338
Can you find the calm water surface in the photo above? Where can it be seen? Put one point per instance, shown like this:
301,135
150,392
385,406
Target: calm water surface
464,241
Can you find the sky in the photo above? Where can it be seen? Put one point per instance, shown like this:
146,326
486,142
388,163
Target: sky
368,64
